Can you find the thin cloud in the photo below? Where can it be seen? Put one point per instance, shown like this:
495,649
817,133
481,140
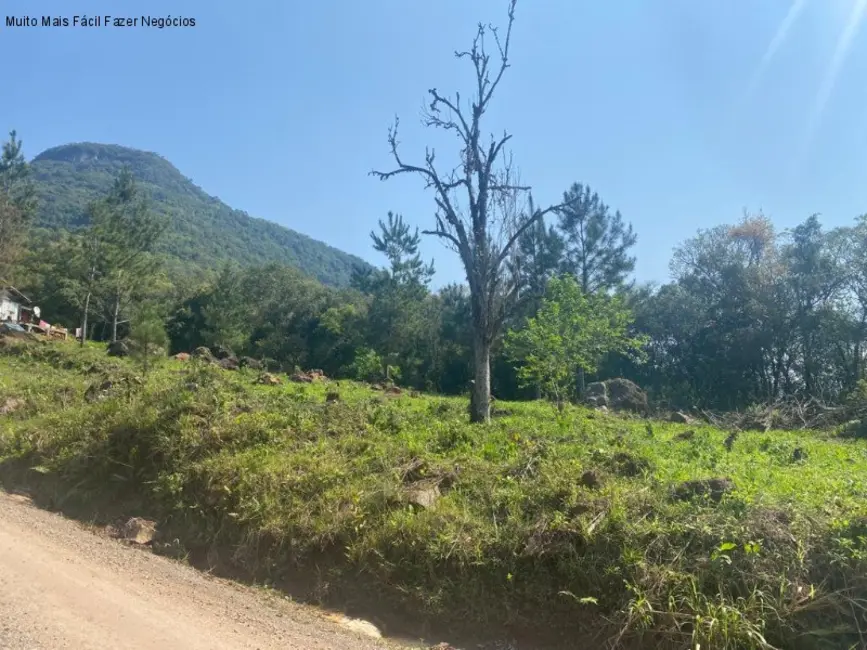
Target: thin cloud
776,43
841,52
853,24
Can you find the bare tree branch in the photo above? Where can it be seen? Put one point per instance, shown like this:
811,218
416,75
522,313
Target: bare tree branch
444,235
529,222
434,112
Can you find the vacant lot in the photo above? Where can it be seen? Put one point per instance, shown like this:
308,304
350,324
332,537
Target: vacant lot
578,525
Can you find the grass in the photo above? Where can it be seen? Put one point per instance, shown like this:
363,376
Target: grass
557,525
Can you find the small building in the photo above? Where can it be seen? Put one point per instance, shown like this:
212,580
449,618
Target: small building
14,305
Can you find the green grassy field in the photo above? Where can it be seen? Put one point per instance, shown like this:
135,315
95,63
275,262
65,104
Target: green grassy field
560,525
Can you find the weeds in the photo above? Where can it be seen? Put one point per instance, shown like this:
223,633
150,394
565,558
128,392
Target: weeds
543,520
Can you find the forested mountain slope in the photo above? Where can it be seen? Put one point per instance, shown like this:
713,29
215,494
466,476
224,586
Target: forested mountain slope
203,231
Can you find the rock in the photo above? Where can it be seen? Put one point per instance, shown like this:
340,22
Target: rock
596,389
602,409
267,379
393,390
714,488
203,353
596,394
118,349
300,378
182,356
624,395
221,352
332,396
590,479
10,405
229,363
627,465
854,429
356,625
424,495
680,418
685,435
140,531
251,363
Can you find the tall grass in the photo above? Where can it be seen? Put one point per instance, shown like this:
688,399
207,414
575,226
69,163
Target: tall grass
563,524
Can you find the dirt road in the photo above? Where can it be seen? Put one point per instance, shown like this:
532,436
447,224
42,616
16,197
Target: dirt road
61,586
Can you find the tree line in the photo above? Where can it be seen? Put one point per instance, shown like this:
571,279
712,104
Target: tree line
750,315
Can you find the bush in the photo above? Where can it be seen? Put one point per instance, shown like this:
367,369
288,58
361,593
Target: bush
367,366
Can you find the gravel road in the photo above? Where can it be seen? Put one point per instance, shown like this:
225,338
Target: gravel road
61,586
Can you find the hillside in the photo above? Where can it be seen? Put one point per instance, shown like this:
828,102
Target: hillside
574,529
203,230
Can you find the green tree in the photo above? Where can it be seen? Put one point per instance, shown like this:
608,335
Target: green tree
597,245
452,353
597,241
397,326
132,231
817,275
479,204
226,310
539,257
17,203
115,251
400,246
572,330
147,336
368,366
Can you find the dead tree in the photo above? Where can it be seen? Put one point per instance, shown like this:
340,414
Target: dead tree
479,212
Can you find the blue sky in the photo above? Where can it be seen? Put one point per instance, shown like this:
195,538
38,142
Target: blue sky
679,113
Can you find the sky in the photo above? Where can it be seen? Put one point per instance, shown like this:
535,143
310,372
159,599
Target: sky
680,114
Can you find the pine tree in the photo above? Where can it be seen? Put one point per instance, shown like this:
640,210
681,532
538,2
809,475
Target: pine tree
597,245
597,242
17,203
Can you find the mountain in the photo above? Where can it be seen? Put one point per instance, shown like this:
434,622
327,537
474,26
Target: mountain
203,232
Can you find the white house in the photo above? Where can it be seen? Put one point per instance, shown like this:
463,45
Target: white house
14,305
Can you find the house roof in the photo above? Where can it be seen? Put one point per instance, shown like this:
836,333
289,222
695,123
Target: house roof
12,290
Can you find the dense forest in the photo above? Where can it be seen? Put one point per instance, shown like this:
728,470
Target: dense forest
751,315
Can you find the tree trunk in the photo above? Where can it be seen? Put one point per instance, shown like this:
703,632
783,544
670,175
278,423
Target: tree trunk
114,317
581,383
480,398
84,318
